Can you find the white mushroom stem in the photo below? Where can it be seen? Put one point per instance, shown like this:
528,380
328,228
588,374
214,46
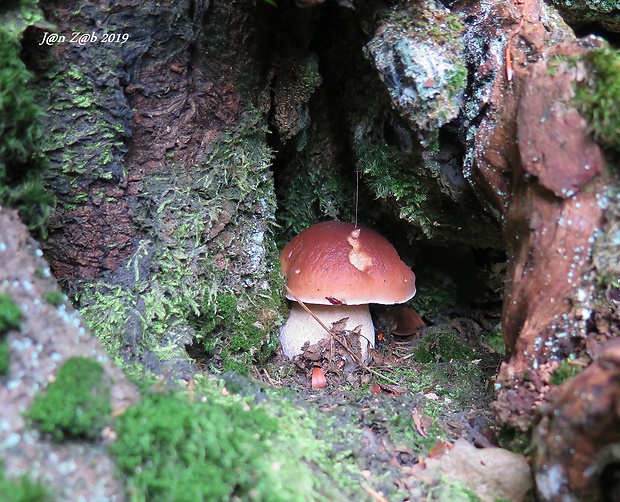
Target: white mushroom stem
301,327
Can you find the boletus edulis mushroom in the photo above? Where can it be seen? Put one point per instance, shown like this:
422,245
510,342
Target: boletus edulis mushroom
337,269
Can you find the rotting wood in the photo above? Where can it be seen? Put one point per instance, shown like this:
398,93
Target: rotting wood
574,441
537,165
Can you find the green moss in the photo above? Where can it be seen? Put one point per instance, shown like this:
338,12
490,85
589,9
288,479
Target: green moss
21,161
5,354
378,161
440,390
599,94
565,371
107,311
412,33
312,194
86,123
18,130
495,340
76,404
92,150
457,80
10,317
402,429
220,447
183,286
56,298
454,491
169,448
438,346
215,316
431,19
241,338
589,11
235,335
17,15
10,313
432,295
21,489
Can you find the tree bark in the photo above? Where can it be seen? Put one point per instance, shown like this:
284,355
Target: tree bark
537,164
159,159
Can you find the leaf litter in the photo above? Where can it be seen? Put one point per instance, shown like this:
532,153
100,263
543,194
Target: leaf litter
425,431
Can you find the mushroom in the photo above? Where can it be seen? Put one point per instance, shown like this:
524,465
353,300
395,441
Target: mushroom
337,269
407,322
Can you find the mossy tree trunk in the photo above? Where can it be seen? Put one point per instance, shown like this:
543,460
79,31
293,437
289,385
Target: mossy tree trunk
157,140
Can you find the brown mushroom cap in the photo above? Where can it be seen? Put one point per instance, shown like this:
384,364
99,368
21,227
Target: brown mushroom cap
334,262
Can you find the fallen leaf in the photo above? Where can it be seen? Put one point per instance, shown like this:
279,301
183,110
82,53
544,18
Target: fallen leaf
408,322
383,388
394,390
418,423
318,378
439,448
314,352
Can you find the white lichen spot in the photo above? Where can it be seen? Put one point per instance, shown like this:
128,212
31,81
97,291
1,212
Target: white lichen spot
13,384
67,467
256,251
12,440
584,313
550,482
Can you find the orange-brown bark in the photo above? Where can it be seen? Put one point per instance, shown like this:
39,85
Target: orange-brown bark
538,166
574,440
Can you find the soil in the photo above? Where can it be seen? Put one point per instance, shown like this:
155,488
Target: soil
406,411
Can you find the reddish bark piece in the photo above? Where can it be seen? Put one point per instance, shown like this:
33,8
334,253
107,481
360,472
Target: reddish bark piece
554,144
391,390
540,172
439,449
375,388
550,227
573,440
417,420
